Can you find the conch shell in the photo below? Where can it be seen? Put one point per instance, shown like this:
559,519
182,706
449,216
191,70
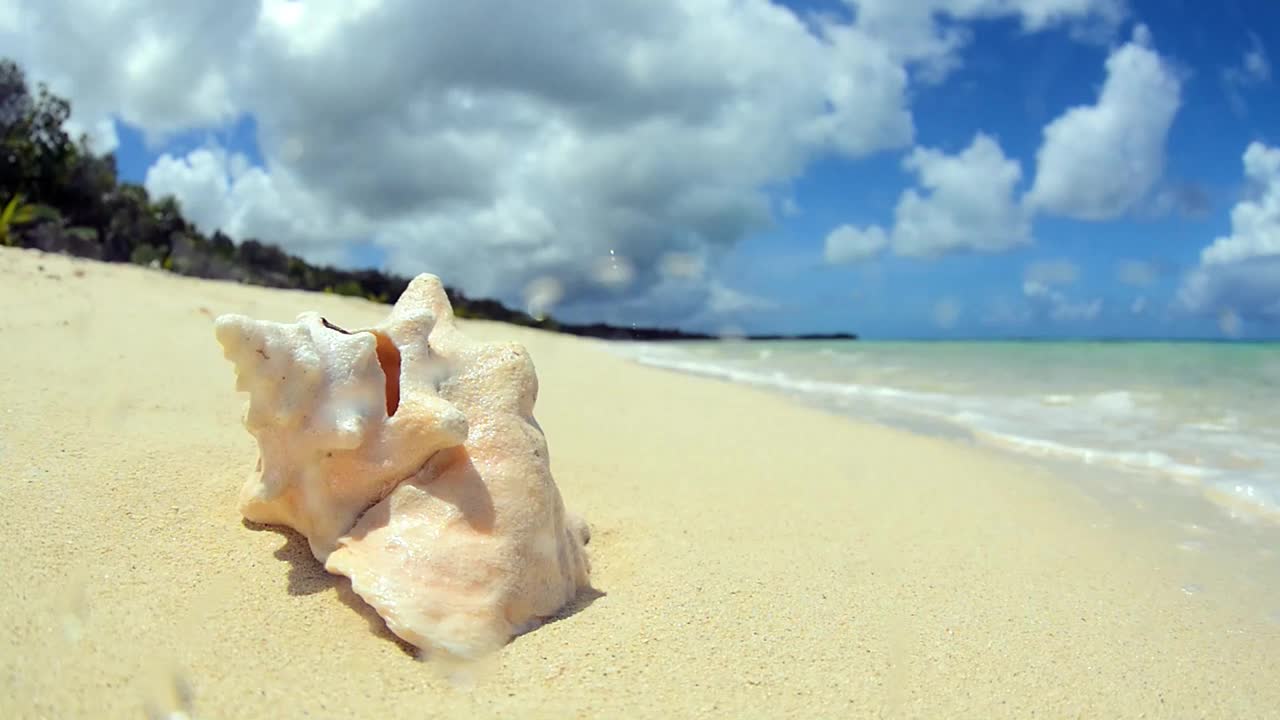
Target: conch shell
409,457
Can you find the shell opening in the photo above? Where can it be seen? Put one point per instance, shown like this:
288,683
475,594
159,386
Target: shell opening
389,361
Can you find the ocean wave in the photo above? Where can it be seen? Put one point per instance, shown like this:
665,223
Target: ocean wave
1184,442
1152,461
777,379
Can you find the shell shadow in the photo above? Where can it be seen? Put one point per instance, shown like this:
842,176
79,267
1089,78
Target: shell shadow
586,596
308,577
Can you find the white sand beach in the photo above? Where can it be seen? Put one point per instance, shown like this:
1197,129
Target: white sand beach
751,557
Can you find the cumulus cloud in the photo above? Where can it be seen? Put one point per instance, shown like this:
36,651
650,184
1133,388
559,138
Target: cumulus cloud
223,191
965,202
1188,200
1254,70
847,244
929,33
1249,289
728,301
1052,272
1042,285
1098,161
1239,274
494,152
1138,273
1057,305
499,144
1255,223
158,65
1257,66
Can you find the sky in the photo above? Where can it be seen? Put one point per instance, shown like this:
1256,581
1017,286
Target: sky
895,168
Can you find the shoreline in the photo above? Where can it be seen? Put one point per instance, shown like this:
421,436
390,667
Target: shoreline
864,402
1231,546
753,556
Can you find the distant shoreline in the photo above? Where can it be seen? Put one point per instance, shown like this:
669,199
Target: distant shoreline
643,334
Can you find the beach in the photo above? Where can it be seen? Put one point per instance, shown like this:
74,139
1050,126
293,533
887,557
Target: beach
752,557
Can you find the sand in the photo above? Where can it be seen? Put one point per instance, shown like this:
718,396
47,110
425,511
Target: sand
753,558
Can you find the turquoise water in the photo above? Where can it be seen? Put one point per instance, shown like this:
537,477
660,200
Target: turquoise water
1199,415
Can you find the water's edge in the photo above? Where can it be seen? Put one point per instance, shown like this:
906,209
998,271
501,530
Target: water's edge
1230,533
1204,440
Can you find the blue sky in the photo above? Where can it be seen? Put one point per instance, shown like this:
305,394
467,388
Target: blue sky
1009,85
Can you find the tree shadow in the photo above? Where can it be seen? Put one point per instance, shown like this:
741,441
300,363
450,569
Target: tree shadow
308,577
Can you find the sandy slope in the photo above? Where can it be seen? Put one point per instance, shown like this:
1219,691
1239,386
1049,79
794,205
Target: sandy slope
753,558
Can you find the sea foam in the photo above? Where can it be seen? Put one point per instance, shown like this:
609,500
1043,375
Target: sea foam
1131,409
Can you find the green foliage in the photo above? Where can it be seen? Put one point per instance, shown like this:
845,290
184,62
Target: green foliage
146,254
84,233
350,288
16,212
37,155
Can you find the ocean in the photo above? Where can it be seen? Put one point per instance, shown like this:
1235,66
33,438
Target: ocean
1199,419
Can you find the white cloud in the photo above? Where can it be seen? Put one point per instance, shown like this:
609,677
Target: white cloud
964,202
1255,223
947,312
492,153
1240,273
1254,69
101,134
222,191
710,306
967,203
727,301
929,33
1186,199
1006,313
1052,272
678,265
1250,288
1256,64
1069,311
162,66
202,180
848,244
500,153
1057,305
1138,273
1230,324
1099,161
